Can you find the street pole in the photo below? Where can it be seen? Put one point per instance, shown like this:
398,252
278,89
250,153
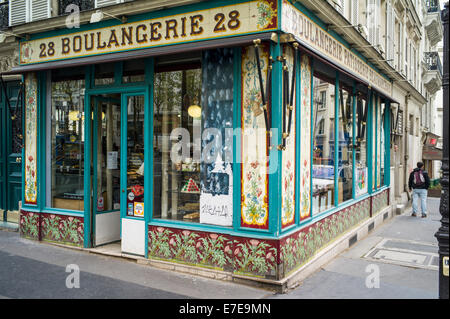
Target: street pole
442,233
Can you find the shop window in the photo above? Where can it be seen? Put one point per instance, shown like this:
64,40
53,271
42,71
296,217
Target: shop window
411,124
133,71
324,146
345,155
104,74
374,140
382,143
380,152
361,171
193,106
323,100
66,140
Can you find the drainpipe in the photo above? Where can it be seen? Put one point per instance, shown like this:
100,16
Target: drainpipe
406,149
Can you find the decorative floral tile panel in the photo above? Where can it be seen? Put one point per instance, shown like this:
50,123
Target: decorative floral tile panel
62,229
254,146
30,138
29,225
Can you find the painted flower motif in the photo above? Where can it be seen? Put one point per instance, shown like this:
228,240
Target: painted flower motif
172,241
70,218
237,251
227,249
186,232
213,236
288,164
198,244
160,229
30,158
254,242
254,165
269,256
259,192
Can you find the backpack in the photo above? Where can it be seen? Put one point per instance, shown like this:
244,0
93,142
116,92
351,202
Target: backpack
419,179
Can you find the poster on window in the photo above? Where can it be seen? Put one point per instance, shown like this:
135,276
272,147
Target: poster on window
216,197
361,180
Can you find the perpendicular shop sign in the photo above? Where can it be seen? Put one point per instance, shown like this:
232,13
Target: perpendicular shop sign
236,19
319,40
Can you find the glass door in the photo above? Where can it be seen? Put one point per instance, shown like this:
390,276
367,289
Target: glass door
132,183
106,147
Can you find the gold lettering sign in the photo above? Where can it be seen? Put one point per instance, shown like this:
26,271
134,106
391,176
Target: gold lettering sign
308,32
237,19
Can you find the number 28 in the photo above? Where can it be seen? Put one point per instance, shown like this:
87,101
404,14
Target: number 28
232,24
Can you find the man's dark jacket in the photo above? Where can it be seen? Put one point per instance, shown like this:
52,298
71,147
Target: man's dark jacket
411,180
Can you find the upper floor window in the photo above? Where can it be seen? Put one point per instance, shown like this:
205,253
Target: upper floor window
24,11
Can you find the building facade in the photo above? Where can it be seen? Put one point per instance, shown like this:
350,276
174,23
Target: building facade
242,138
11,101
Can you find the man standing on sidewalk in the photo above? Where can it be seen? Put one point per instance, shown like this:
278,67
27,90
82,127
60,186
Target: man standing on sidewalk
419,183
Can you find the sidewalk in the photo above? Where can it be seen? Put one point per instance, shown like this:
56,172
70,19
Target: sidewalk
403,251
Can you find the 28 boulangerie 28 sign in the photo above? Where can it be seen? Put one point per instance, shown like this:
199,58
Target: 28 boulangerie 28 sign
236,19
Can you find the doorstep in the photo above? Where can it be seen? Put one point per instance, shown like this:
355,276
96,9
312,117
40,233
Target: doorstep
8,226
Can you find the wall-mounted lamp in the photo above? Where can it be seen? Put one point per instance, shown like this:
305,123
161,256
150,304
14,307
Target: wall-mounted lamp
98,15
335,27
364,46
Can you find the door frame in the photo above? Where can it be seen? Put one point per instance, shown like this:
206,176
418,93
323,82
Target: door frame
90,133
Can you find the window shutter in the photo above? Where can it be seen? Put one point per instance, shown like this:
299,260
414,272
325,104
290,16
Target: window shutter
40,9
104,3
390,37
339,6
370,20
17,12
377,21
355,12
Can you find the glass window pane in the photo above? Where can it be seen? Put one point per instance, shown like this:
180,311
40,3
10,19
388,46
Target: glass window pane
176,106
104,74
108,151
324,145
345,156
133,71
382,143
374,140
361,145
193,110
66,162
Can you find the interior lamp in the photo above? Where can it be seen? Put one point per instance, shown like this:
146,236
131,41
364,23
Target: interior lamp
195,111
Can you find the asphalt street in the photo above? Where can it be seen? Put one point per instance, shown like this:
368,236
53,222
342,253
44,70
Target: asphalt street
29,269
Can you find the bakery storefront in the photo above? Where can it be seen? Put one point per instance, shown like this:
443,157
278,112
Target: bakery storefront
242,139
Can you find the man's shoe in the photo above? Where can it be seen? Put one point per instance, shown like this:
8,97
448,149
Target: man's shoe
424,215
413,215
